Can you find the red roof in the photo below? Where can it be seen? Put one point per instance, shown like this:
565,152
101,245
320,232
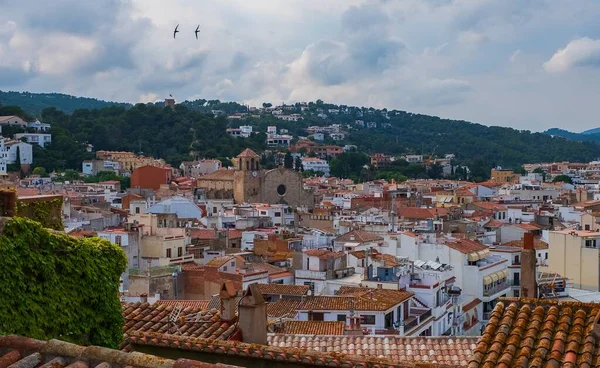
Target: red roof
421,213
205,234
358,236
490,206
247,153
466,246
323,253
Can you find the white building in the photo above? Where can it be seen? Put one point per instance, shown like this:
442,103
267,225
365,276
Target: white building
279,140
40,138
271,129
481,275
316,164
39,126
414,158
25,152
319,137
3,157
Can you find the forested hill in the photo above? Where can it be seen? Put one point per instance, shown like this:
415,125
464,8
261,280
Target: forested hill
34,103
192,129
592,135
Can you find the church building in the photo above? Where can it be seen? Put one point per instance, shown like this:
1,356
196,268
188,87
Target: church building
248,183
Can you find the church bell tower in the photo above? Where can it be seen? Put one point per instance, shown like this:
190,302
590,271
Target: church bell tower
247,177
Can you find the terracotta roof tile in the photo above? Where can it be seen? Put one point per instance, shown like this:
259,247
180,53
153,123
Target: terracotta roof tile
398,351
494,224
358,236
421,213
312,328
199,304
359,299
204,234
466,246
470,305
220,261
280,289
144,317
323,253
283,308
331,351
539,333
538,244
17,351
489,206
247,153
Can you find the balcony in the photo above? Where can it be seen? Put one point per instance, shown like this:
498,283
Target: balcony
183,259
311,275
496,289
418,316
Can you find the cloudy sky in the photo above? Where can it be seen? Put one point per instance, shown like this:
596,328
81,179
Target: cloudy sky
531,64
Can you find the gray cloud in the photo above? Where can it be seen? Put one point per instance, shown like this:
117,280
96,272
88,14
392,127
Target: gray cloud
423,56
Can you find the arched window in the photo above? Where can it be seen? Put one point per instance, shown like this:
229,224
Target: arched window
247,165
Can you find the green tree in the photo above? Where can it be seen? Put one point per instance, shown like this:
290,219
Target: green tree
348,165
60,287
266,105
562,179
288,161
40,171
298,164
539,170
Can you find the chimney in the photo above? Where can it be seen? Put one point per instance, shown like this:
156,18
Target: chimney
528,268
227,295
253,316
144,298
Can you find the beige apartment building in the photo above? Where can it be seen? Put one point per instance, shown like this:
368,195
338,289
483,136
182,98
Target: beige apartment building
575,254
129,160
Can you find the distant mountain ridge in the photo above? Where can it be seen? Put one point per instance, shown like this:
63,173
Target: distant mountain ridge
35,103
591,135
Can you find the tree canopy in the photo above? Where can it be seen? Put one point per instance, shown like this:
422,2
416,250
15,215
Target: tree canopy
57,286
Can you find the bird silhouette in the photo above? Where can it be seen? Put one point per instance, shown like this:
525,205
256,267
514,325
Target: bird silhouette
175,31
197,31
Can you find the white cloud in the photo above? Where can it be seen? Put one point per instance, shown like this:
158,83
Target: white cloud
581,52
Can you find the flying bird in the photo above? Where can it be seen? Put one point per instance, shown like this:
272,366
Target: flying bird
197,31
175,31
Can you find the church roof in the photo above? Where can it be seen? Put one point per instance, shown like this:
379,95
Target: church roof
247,153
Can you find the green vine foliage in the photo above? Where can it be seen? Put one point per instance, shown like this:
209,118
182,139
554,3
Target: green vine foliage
56,286
47,212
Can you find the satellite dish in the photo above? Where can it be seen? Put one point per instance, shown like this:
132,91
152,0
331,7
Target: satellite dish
309,293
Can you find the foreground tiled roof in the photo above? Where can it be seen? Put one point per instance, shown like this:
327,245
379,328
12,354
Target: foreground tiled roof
539,333
144,317
199,304
335,351
287,308
22,352
280,289
439,351
312,328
